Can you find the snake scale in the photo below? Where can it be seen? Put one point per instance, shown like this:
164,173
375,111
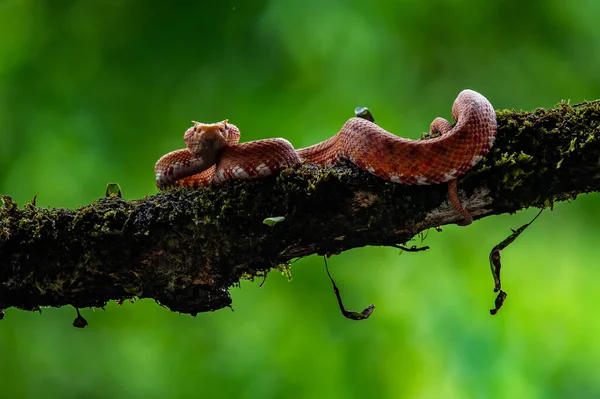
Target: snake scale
214,154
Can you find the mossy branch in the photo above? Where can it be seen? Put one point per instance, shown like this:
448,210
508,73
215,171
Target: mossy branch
185,248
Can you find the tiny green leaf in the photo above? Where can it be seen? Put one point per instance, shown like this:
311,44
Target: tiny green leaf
113,190
273,220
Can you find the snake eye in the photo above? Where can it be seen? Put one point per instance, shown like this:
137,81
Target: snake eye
223,128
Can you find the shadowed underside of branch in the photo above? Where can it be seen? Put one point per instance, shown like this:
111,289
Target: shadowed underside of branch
185,248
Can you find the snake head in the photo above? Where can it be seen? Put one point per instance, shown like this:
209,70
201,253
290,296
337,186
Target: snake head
210,137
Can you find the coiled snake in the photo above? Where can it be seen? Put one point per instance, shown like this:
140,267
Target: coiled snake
214,155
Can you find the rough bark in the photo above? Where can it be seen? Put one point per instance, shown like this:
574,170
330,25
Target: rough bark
185,248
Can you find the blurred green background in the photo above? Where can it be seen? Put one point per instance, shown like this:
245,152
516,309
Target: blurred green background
93,92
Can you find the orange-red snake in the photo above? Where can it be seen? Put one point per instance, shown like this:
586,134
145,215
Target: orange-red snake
214,155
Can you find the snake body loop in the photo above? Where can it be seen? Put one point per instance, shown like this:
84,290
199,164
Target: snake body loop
214,155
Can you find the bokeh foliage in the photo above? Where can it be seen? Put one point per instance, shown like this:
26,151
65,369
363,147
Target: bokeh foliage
93,92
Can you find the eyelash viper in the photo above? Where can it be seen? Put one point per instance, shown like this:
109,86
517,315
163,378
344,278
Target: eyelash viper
214,155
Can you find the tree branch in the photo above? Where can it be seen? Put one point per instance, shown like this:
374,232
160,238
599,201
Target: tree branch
185,248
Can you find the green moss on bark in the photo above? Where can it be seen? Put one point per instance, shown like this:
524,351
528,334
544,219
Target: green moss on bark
185,248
